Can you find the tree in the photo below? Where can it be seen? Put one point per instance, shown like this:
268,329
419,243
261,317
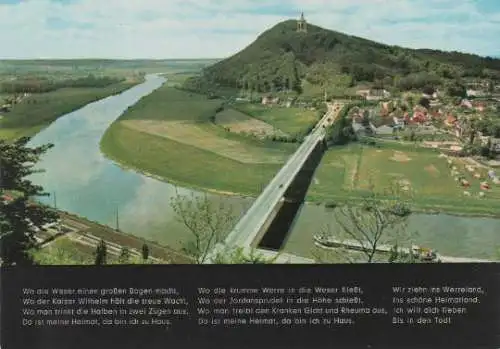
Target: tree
366,119
456,89
124,257
429,90
424,102
101,253
340,132
145,251
20,218
207,221
380,219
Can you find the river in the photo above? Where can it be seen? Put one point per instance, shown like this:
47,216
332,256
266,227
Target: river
88,184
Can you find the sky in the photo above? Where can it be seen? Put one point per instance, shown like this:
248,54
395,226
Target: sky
162,29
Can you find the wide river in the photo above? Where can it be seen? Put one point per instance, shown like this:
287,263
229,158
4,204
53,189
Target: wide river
88,184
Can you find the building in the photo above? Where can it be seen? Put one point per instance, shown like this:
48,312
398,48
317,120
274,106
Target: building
269,100
450,121
495,145
374,94
302,24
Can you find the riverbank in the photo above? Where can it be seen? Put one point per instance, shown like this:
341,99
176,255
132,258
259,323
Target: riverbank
171,135
38,111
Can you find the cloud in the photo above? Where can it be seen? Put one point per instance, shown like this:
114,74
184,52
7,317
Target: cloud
218,28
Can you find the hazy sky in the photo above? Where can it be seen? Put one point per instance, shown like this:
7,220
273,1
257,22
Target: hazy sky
219,28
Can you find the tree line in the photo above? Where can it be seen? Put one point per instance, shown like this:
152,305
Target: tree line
42,85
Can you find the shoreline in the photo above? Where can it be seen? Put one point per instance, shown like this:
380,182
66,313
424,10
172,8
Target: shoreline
189,186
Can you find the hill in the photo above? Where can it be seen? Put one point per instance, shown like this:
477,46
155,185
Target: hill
282,58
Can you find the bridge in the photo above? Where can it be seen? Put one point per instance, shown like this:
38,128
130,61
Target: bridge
254,223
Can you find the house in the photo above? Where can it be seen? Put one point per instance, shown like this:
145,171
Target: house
419,117
466,103
450,121
363,93
374,94
480,107
378,94
268,100
495,145
472,93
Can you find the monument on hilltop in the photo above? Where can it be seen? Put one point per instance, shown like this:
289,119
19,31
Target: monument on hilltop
302,24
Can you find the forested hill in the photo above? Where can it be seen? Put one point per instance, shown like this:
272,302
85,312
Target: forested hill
282,58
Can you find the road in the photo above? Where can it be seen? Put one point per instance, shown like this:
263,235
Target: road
249,226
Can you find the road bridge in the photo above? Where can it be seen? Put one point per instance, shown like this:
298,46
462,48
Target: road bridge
254,222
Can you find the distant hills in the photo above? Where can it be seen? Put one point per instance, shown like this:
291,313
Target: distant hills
282,58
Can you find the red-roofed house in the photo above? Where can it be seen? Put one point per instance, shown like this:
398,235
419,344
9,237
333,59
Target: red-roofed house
450,120
480,107
419,117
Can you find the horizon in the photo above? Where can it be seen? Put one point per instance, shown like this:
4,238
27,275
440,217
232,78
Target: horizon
186,30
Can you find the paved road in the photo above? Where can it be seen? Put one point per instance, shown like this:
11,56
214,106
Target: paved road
251,223
254,219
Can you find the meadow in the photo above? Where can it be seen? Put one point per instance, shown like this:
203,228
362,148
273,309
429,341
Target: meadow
292,121
172,134
345,173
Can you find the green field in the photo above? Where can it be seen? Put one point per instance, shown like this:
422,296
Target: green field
39,110
346,172
170,134
289,120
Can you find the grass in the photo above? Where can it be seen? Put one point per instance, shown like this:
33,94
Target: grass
64,251
347,172
289,120
239,122
184,164
39,110
170,134
171,104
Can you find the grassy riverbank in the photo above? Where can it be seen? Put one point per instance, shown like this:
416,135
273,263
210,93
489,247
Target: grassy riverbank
171,134
38,111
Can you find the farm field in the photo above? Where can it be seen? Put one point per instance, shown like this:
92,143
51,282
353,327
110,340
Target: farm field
37,111
238,122
171,134
346,172
292,120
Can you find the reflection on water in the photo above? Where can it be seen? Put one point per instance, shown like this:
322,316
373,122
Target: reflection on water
450,235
